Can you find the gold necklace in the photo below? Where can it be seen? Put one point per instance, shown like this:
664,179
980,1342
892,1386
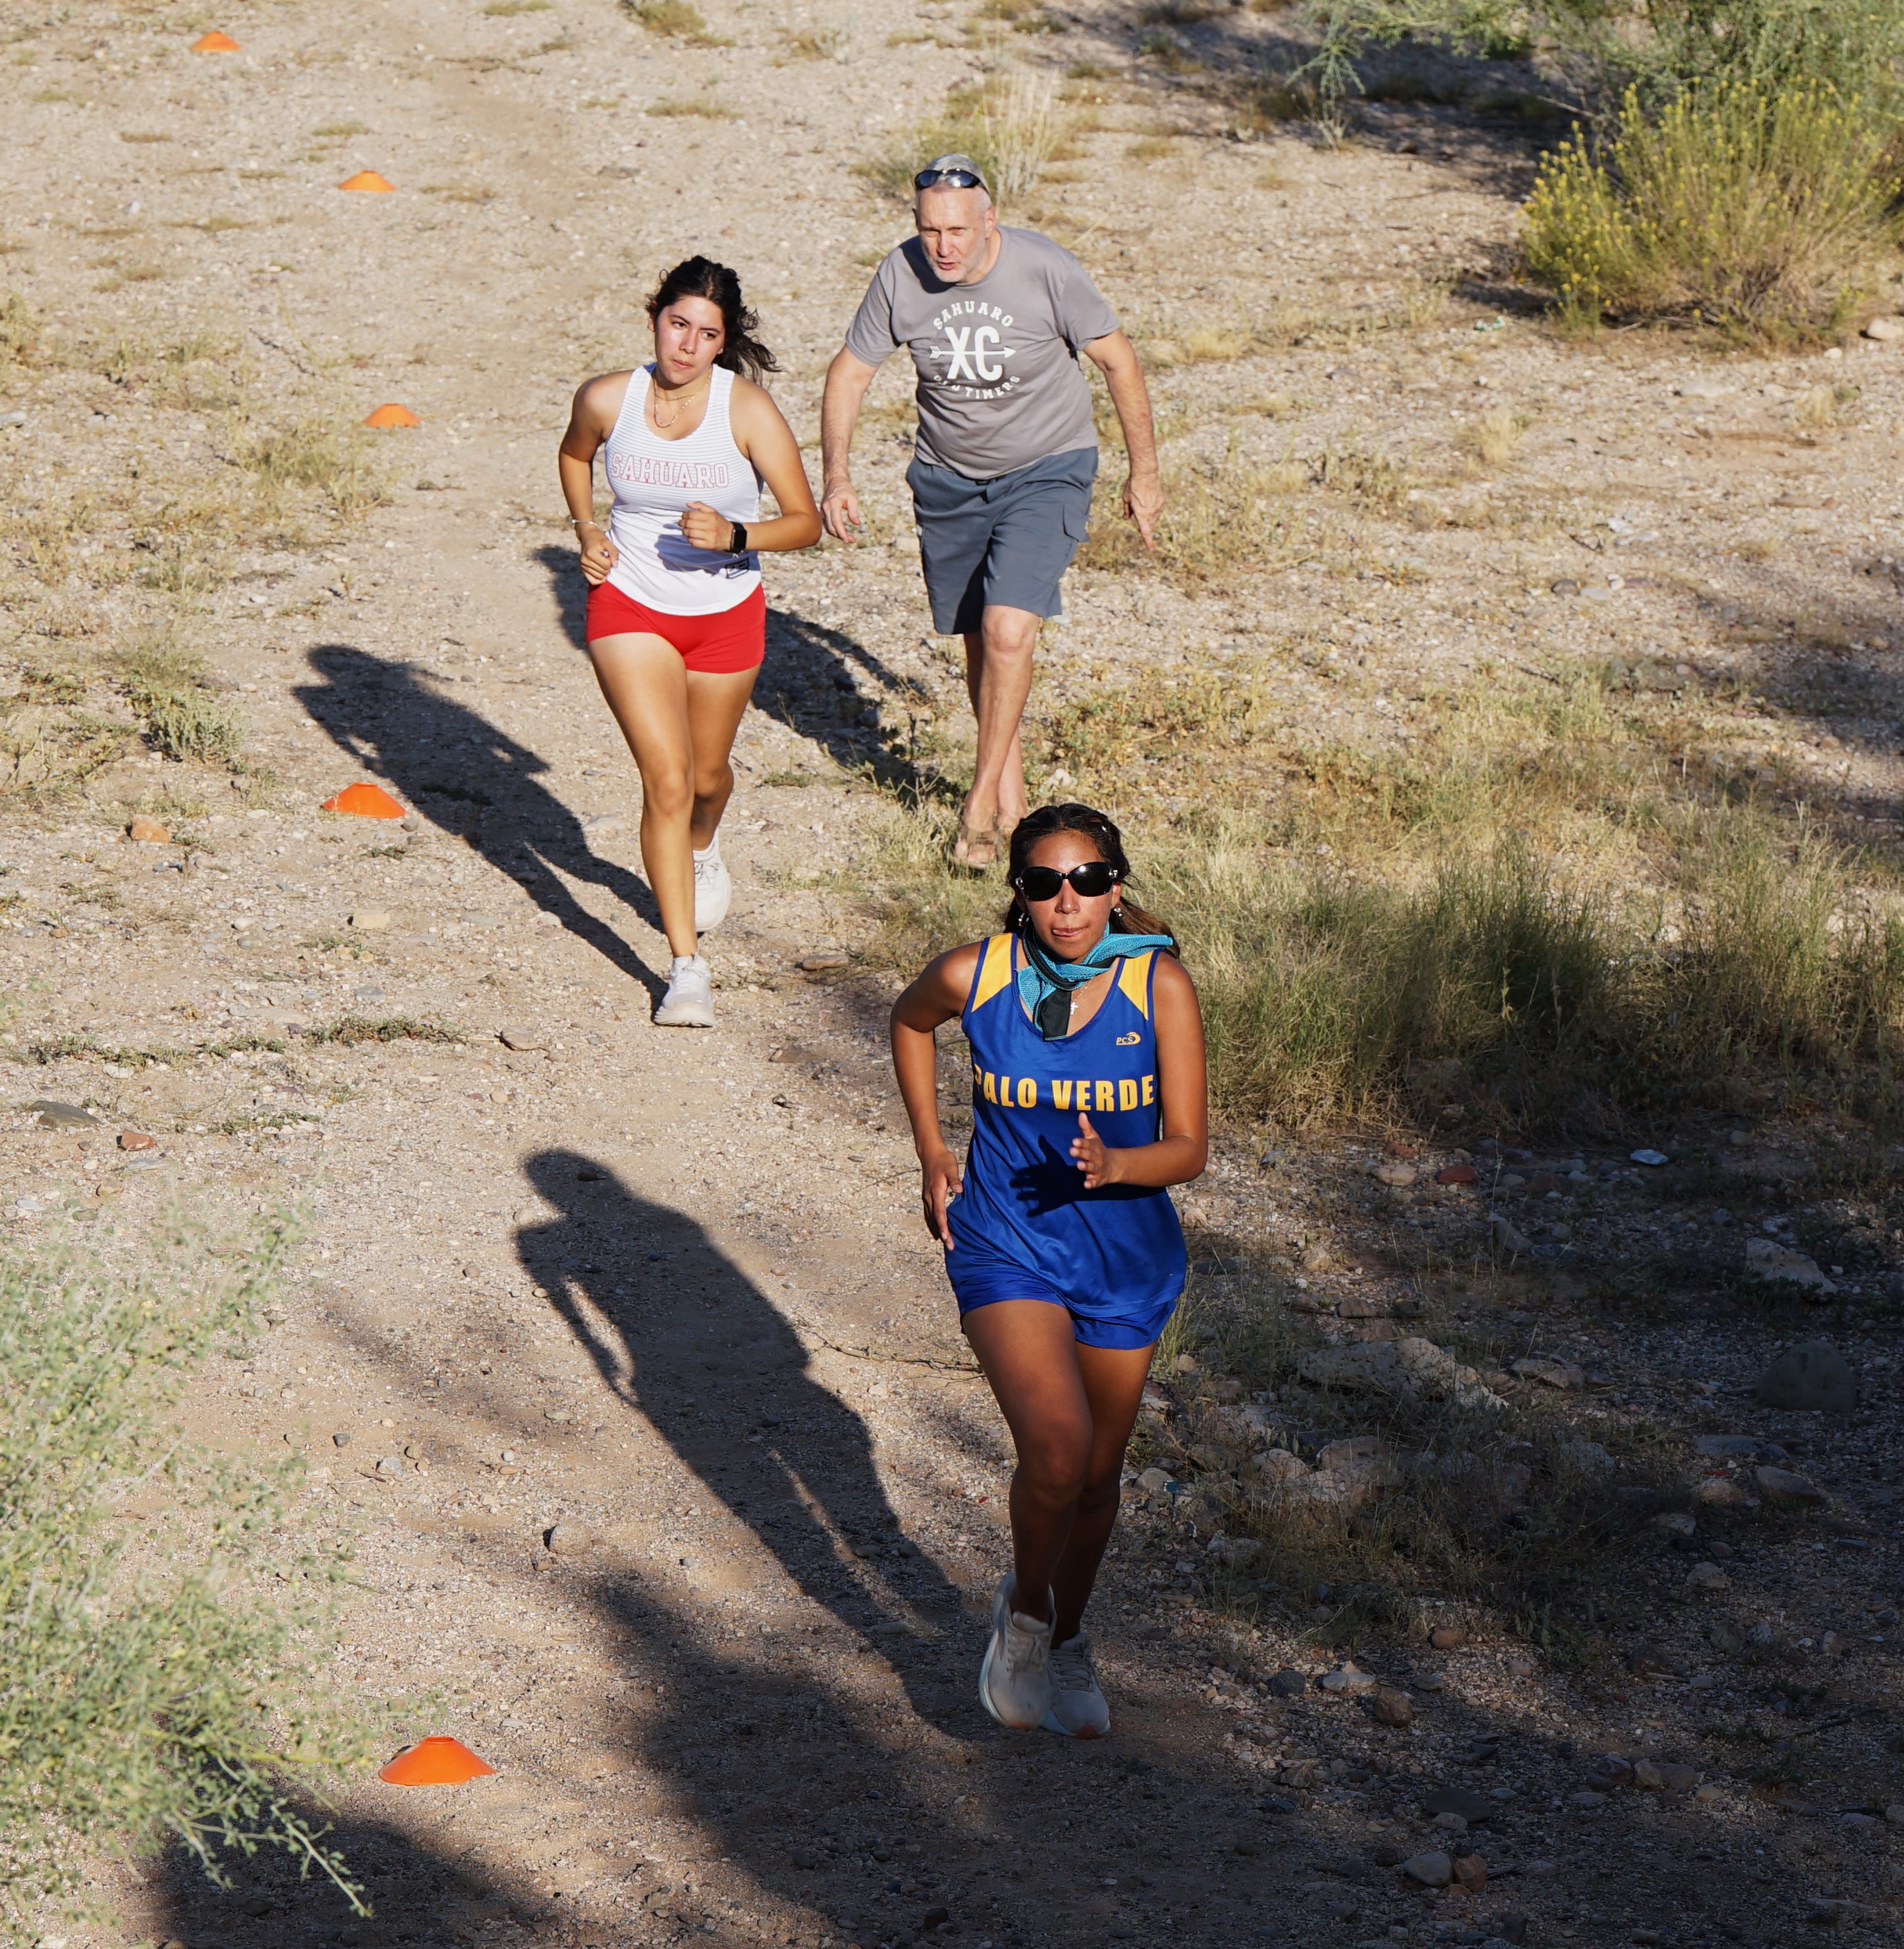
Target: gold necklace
681,405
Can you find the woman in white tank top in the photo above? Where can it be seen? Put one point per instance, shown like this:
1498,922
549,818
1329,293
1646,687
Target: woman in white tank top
677,615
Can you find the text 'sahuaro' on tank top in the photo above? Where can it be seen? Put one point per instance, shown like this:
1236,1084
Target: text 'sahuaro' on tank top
1024,1202
655,480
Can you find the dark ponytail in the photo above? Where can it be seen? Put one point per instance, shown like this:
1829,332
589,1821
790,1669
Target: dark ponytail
1125,917
702,278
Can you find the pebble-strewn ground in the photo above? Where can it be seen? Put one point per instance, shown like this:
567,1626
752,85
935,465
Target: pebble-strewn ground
668,1292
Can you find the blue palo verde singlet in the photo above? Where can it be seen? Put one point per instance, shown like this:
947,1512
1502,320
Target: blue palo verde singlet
1024,1227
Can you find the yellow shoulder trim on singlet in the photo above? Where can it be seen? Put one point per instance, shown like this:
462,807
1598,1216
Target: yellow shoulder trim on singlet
1136,982
994,970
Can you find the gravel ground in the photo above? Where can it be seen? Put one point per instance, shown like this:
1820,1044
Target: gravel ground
665,1295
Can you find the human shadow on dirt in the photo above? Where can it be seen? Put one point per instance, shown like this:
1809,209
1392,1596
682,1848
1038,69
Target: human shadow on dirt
471,778
679,1333
819,682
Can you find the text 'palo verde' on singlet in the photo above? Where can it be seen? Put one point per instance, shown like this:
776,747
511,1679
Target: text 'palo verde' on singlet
655,480
1112,1250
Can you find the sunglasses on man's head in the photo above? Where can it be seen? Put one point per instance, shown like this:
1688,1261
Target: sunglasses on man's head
948,179
1093,880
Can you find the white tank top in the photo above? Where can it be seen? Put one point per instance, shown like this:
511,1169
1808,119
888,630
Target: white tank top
654,479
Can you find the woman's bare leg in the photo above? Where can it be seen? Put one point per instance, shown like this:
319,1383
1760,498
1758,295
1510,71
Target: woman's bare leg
680,725
717,701
1070,1409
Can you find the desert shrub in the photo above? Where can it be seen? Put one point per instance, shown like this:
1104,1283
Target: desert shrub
149,1694
1592,51
673,18
181,714
1012,126
1759,211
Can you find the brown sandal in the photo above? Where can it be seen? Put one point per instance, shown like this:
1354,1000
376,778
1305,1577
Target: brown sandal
965,847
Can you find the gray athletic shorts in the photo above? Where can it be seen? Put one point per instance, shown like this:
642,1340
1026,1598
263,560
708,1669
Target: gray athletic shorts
1008,541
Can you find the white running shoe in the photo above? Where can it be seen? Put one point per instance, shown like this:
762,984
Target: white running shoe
689,1003
712,888
1014,1682
1078,1707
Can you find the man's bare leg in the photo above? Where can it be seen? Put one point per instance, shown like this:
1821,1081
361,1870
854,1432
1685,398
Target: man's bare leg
998,676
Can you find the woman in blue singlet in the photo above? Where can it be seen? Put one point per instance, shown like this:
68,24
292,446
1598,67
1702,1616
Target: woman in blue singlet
1061,1243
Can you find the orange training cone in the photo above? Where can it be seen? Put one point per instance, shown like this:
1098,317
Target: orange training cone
438,1760
392,415
368,179
364,801
214,43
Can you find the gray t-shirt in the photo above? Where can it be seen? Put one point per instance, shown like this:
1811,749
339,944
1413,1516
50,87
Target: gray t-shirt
1000,382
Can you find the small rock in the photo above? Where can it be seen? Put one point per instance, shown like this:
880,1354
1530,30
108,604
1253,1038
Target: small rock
1894,1813
1675,1522
1408,1370
933,1918
569,1539
341,1439
1649,1661
1451,1824
522,1039
145,831
1430,1681
1721,1492
389,1466
1470,1871
1860,1824
1288,1684
1609,1770
801,1858
54,1116
1810,1377
370,920
1448,1637
1551,1373
1665,1776
1886,331
1456,1173
1433,1870
1589,1458
1398,1175
1357,1448
1389,1707
1565,585
1652,1157
1152,1482
1587,1798
1522,1667
1471,1807
137,1140
1784,1490
1512,1240
821,963
1729,1447
1347,1680
1780,1265
1317,1259
1706,1577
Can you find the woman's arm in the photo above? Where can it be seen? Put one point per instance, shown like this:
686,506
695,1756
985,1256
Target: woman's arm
768,441
591,419
938,995
1183,1089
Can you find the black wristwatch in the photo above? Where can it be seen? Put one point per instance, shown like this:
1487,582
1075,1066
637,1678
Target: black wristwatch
740,546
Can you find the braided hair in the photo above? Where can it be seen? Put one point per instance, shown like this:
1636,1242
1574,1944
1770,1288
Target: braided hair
1127,917
701,278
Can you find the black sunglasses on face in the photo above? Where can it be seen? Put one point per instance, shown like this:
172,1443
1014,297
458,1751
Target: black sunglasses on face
1093,880
948,179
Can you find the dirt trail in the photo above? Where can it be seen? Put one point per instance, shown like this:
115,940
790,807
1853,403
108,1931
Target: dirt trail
664,1294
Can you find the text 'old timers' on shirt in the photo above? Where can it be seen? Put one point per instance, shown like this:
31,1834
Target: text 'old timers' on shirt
999,382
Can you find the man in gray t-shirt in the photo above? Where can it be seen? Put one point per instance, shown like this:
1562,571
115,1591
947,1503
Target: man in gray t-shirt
1007,450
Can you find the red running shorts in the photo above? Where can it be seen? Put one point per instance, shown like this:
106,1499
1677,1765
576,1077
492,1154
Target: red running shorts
729,641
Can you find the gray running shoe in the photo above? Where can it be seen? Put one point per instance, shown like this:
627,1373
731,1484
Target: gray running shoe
689,1003
712,890
1014,1682
1078,1707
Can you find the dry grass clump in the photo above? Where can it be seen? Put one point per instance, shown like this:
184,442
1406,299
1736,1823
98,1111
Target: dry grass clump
1495,437
1214,521
1764,211
182,715
813,44
315,452
1012,126
675,20
704,106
